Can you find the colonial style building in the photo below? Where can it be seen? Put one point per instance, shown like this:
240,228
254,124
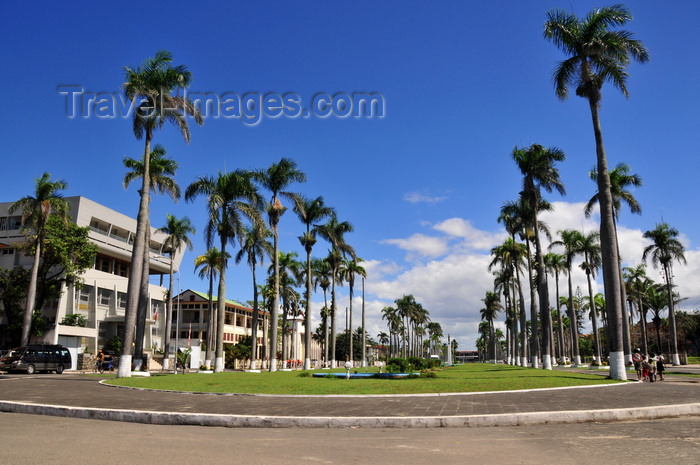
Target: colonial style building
101,299
192,307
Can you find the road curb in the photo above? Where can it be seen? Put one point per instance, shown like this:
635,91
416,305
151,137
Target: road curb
248,421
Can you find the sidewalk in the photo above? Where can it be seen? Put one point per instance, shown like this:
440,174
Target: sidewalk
79,396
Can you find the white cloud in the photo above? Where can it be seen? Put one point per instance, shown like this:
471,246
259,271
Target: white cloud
473,238
417,197
427,246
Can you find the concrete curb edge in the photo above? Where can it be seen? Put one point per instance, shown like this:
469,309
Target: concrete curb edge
250,421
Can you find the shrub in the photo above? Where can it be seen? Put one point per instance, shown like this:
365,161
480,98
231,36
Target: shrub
74,319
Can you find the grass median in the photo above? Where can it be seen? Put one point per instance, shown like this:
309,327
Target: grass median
462,378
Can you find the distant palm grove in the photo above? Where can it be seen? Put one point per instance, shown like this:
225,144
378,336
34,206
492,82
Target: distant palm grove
595,53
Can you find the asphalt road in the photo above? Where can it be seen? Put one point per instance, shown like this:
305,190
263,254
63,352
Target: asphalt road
30,439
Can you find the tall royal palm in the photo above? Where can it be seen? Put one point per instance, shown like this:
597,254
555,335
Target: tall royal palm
665,249
290,273
620,182
334,232
513,217
209,266
556,264
310,212
349,269
596,54
152,83
571,241
161,172
589,247
492,306
275,179
178,231
254,247
231,198
636,283
322,270
536,163
36,209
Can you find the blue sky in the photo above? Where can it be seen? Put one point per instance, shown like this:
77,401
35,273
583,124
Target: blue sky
463,83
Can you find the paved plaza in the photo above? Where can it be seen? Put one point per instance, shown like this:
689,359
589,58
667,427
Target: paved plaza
79,396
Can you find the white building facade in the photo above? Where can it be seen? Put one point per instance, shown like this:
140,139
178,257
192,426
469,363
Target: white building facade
101,300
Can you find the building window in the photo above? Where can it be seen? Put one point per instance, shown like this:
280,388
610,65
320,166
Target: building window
104,296
121,299
85,292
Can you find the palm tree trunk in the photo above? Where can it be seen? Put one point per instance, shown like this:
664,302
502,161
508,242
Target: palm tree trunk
143,304
136,269
274,311
594,319
534,342
31,295
211,323
364,332
573,324
626,336
307,315
285,342
643,327
351,355
560,323
333,324
543,294
610,262
523,321
219,364
671,316
254,329
325,329
169,320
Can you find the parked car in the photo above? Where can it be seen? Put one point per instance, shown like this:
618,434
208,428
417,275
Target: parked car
36,358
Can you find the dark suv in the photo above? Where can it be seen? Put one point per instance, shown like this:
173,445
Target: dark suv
36,358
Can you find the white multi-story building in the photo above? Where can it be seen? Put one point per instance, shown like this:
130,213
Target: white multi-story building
101,300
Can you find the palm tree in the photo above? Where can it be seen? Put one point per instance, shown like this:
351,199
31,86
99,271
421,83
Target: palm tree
665,249
390,314
597,54
46,201
334,232
536,164
384,339
275,179
322,277
571,240
254,246
656,297
231,197
310,212
349,269
209,265
512,216
620,181
556,264
589,246
152,83
637,282
178,231
289,271
492,306
160,171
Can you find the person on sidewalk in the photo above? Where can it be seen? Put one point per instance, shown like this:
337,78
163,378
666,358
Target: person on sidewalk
660,368
637,359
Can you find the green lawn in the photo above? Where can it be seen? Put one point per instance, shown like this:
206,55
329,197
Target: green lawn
463,378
